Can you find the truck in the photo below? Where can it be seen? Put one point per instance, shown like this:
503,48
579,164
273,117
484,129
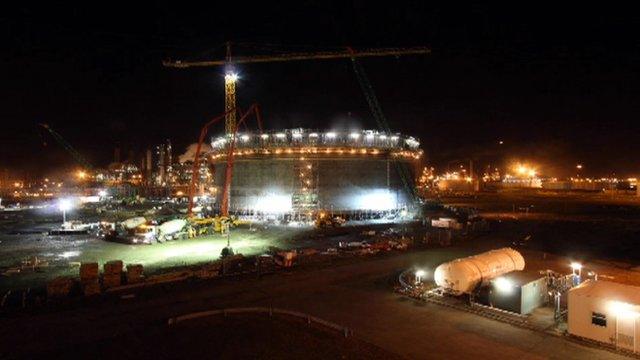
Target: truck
176,229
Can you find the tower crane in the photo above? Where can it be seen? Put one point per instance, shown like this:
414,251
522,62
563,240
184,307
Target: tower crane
231,78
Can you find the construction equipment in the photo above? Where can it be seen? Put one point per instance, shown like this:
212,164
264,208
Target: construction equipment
229,170
231,77
217,224
76,155
346,53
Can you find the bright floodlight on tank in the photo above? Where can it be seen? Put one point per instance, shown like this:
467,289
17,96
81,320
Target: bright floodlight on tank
273,203
376,199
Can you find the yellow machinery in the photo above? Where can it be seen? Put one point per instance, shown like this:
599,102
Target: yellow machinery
215,224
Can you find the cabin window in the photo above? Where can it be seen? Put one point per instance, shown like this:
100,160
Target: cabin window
598,319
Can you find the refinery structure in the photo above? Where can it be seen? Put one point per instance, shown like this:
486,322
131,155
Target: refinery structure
366,174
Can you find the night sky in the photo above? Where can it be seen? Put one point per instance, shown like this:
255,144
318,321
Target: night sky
559,86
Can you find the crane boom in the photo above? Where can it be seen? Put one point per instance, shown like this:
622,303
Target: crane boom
346,54
381,121
76,155
195,175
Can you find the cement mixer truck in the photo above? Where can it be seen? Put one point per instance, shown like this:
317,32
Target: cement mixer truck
176,229
464,276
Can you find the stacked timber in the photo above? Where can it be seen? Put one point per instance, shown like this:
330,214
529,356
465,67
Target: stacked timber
285,258
232,264
135,273
112,274
170,276
209,271
89,278
60,287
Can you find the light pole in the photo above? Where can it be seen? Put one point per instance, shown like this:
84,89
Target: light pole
64,206
577,272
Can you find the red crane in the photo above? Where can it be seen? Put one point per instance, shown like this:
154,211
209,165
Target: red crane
224,206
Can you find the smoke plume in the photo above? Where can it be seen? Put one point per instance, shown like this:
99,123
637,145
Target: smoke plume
190,153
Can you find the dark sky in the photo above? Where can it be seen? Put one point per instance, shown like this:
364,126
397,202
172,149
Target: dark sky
558,85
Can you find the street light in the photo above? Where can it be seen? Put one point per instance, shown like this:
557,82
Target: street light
64,205
575,266
577,272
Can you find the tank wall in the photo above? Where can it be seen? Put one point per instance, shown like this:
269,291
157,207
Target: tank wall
356,184
343,184
256,182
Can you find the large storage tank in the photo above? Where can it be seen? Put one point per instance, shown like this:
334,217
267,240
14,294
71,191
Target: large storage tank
301,170
464,275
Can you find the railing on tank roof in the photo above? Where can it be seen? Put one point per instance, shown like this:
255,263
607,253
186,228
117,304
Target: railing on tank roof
306,137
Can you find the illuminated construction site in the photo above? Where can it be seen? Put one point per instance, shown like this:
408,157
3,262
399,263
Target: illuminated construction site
300,173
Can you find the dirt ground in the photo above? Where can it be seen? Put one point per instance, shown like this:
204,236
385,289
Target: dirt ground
354,294
232,337
584,227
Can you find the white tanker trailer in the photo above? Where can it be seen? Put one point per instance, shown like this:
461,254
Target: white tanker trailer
462,276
